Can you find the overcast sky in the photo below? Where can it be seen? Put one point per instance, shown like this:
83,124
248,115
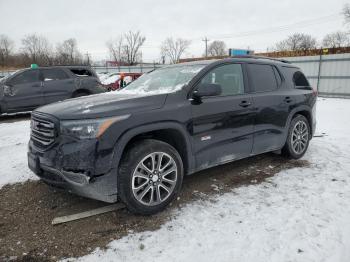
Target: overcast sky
255,24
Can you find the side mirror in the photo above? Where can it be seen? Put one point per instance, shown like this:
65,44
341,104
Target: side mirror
204,89
8,90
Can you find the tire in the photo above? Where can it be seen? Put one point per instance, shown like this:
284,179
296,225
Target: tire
80,94
298,135
136,180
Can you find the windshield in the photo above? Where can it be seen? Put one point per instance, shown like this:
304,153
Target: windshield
164,80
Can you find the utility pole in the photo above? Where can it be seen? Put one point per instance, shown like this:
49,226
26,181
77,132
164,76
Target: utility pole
206,40
88,58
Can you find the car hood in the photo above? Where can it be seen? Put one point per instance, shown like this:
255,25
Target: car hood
103,105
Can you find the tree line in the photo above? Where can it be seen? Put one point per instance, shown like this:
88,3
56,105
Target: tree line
126,48
36,49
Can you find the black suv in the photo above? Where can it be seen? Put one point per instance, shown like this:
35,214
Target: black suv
137,144
28,89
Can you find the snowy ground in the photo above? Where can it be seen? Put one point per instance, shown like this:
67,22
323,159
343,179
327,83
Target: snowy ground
13,152
300,214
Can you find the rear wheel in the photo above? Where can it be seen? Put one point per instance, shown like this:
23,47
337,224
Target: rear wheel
80,94
298,138
150,176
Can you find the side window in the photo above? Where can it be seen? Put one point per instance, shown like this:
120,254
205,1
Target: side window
53,74
81,72
278,76
262,77
300,80
29,76
229,77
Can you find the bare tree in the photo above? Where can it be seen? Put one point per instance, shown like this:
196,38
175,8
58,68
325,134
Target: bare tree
217,48
173,49
336,39
67,52
126,47
133,42
37,49
346,12
296,42
6,48
115,48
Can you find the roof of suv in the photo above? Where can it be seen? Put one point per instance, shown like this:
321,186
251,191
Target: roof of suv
65,66
239,58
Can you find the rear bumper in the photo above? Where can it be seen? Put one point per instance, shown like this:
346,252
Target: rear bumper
76,175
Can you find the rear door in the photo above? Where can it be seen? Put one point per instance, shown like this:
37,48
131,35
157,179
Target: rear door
57,85
223,125
26,91
272,104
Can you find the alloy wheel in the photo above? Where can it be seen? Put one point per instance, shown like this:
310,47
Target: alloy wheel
300,137
154,178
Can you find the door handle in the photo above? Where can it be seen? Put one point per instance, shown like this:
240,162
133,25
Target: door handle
287,99
245,103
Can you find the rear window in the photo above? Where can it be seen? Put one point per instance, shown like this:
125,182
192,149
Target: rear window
53,74
81,72
262,77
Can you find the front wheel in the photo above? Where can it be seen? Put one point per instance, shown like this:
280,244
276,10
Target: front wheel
150,176
298,138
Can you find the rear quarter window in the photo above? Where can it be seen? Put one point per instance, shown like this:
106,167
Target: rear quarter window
300,80
81,72
294,77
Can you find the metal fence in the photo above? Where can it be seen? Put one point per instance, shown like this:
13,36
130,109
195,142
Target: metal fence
330,74
126,69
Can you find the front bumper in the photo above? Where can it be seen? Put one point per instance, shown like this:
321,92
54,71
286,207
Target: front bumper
72,166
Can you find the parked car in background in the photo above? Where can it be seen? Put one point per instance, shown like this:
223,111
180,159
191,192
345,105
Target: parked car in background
136,144
112,81
28,89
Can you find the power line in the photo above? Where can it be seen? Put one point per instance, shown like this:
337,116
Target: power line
268,30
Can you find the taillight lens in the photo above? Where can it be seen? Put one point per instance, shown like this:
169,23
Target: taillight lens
314,91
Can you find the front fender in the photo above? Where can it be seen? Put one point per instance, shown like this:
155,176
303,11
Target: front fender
126,137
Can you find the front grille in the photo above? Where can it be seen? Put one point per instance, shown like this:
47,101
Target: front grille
42,131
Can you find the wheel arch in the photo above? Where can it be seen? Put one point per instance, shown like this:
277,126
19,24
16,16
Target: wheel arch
172,133
304,111
81,90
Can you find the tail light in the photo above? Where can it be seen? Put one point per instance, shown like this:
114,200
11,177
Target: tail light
314,91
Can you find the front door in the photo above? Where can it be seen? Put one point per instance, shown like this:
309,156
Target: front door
223,125
25,91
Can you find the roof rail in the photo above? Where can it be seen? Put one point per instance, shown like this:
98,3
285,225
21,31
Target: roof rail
261,57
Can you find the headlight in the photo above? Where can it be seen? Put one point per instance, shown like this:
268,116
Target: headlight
89,128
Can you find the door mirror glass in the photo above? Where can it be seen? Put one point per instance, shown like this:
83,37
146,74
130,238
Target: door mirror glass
205,89
8,90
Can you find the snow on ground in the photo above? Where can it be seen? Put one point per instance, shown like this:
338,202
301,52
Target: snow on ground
13,153
301,214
